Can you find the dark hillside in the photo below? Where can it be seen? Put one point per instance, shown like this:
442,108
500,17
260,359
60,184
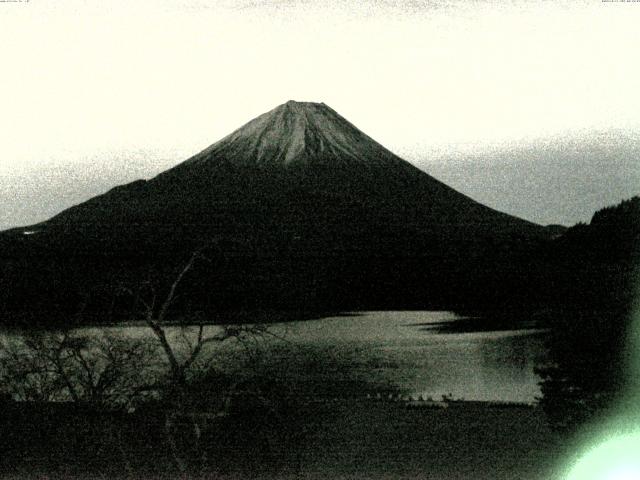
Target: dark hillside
593,283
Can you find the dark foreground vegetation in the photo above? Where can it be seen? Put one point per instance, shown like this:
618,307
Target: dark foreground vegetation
111,407
192,402
339,439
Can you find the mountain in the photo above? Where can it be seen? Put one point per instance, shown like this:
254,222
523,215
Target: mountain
298,210
299,133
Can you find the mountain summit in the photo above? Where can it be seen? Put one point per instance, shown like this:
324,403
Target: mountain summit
297,133
301,211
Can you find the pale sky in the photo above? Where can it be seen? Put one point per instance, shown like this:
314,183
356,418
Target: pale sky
97,93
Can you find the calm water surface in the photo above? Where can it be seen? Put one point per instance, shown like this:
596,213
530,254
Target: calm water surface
427,354
422,353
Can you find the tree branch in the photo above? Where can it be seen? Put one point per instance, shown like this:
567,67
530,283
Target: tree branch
174,286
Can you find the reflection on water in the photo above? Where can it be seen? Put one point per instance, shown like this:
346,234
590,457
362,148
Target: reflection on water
474,365
427,354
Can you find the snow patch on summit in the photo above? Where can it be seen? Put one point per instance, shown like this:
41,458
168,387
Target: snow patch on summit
298,133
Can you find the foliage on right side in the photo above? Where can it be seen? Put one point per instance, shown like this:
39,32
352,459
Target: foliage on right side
590,290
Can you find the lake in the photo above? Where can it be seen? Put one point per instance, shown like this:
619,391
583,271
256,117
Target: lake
421,353
426,353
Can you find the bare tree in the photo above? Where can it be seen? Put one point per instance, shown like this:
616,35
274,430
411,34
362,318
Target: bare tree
111,370
183,345
102,368
195,331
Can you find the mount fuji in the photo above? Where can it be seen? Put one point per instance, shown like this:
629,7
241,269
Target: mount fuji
299,211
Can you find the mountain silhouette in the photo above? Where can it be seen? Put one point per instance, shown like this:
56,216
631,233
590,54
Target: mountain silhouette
299,210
